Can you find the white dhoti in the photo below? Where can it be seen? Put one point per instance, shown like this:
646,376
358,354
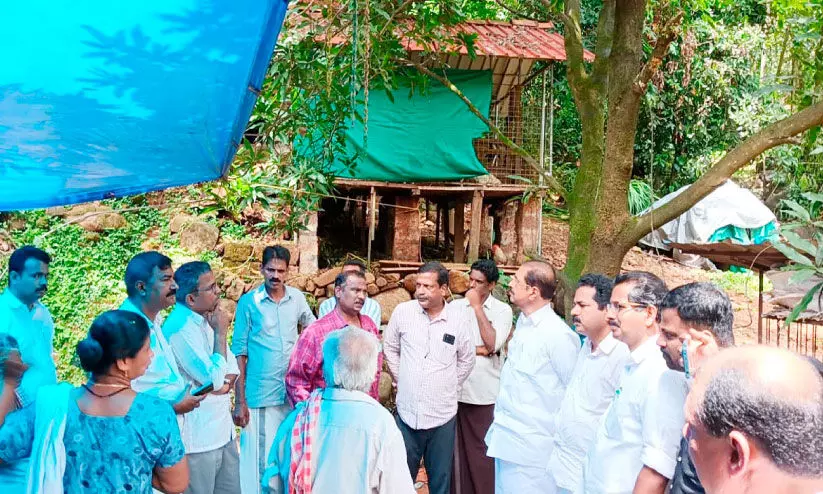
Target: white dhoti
511,478
255,442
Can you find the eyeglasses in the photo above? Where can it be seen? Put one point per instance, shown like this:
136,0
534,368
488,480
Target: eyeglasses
213,288
616,307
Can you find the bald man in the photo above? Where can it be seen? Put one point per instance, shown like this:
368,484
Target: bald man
542,354
754,420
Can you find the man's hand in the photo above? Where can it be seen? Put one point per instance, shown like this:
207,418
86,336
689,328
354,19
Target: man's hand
219,320
224,390
240,414
701,347
188,403
13,368
474,298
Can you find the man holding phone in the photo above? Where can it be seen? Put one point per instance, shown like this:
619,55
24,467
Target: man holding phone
696,321
196,330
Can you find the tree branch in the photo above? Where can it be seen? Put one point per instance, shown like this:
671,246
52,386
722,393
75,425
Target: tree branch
519,15
549,180
781,132
665,38
573,41
603,46
394,14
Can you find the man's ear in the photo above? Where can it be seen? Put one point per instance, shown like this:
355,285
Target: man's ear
739,453
140,286
651,315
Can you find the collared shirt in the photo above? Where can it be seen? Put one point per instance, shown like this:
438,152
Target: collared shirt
305,372
429,359
483,383
595,378
541,358
162,378
359,447
34,331
265,331
642,426
371,309
209,426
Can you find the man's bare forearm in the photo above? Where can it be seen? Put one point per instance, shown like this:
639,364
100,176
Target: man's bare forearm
650,481
240,382
487,331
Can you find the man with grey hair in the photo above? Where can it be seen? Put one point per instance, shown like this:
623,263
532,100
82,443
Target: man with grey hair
636,443
340,439
196,331
754,422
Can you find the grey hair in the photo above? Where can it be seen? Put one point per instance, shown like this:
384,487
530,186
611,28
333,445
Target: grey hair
350,359
187,278
647,288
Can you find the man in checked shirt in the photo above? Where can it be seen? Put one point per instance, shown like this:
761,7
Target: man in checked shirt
429,350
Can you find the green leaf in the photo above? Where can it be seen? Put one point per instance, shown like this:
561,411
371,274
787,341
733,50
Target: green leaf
792,254
804,302
813,196
801,276
797,210
800,243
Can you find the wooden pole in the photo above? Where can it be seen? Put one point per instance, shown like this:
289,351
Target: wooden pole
459,232
446,226
372,214
760,307
476,226
437,227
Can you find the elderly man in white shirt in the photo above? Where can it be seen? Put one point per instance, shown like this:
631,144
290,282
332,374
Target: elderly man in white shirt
345,441
595,378
429,352
637,441
151,289
196,330
541,358
491,323
28,321
370,309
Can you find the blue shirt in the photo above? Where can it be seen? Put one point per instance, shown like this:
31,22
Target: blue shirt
265,332
371,309
105,454
34,331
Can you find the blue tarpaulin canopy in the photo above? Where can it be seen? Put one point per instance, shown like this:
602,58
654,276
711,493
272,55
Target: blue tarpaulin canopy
102,98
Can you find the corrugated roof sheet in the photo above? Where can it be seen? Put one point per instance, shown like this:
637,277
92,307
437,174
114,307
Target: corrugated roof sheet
528,40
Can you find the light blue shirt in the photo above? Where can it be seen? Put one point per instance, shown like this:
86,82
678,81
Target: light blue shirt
34,331
265,332
371,309
162,378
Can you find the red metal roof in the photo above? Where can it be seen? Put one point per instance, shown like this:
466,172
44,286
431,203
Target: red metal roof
528,40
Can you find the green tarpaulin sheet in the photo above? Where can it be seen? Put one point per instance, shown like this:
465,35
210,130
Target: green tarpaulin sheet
422,138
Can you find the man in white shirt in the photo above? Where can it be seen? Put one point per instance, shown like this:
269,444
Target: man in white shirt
636,443
491,323
196,330
429,352
541,358
370,309
151,289
596,376
354,445
28,321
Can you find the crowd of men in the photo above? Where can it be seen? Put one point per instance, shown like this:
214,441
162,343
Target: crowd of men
644,393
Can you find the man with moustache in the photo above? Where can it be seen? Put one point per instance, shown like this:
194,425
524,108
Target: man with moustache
24,318
596,376
370,308
305,373
265,332
196,330
636,443
540,362
151,289
701,316
429,352
754,422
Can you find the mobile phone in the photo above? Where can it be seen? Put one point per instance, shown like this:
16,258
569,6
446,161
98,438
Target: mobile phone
204,389
684,352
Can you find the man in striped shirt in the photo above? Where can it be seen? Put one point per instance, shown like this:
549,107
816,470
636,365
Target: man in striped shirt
429,350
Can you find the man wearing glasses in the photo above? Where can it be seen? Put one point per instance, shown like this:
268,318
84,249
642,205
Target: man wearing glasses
541,358
636,444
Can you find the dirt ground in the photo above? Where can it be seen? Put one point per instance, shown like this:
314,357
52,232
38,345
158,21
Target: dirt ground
555,238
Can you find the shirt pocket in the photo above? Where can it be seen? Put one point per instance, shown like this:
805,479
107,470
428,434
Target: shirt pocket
442,352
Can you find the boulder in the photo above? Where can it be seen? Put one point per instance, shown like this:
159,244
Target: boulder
59,211
6,243
310,286
410,282
179,221
298,282
199,237
18,223
389,300
319,292
229,307
96,217
327,277
330,291
236,251
385,388
236,288
458,282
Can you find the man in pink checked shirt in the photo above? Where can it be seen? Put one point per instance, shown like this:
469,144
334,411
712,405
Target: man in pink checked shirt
305,373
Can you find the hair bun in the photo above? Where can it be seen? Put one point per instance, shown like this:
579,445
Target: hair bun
90,353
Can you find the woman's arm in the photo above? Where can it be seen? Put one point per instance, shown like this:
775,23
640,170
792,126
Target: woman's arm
171,480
